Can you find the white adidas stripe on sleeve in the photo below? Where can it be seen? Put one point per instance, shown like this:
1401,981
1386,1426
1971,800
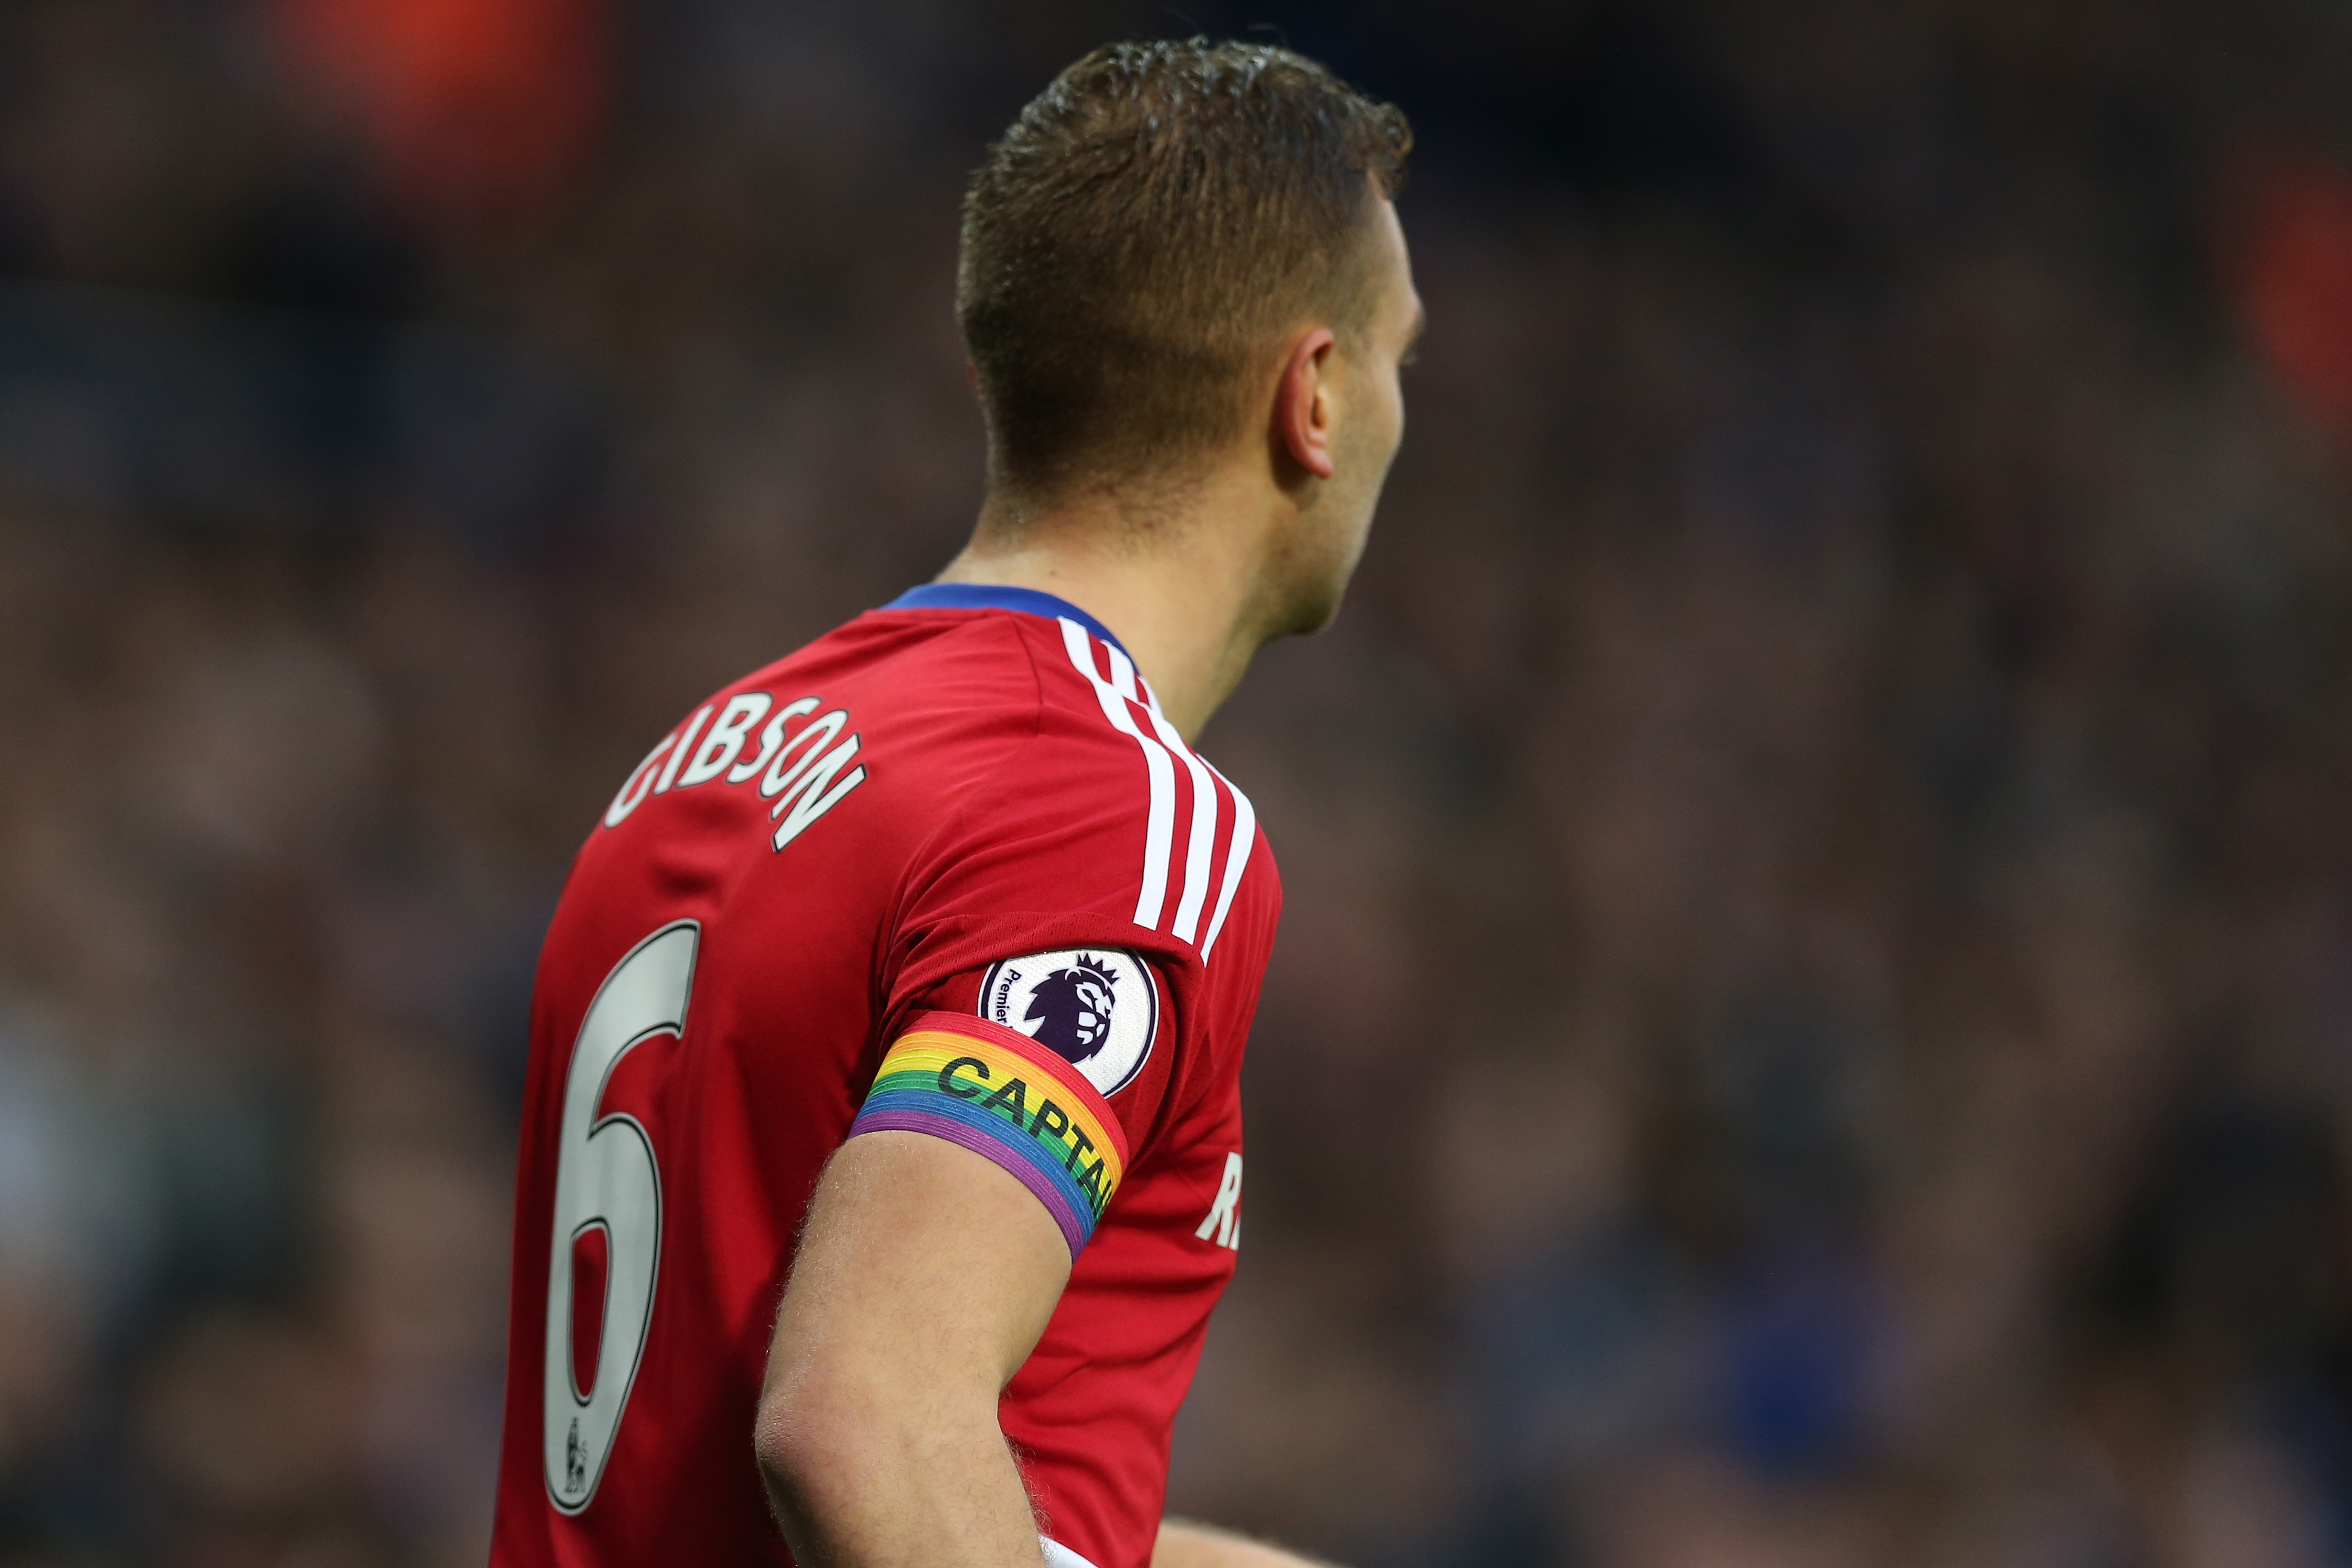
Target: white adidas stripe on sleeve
1159,828
1204,838
1161,748
1237,855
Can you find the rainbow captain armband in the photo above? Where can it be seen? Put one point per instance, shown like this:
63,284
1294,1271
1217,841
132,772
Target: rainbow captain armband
1003,1095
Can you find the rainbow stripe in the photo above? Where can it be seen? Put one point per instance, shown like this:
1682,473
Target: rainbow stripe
1002,1095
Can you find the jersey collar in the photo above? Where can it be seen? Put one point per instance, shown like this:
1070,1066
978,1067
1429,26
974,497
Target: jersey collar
987,596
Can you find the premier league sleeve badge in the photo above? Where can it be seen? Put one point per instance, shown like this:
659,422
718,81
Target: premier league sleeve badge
1098,1008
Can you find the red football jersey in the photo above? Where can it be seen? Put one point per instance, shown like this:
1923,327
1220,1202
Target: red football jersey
949,870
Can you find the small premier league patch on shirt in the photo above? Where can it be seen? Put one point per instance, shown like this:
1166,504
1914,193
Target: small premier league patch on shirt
1097,1008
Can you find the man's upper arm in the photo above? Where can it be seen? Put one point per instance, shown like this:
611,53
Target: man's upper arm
924,1276
940,1237
918,1254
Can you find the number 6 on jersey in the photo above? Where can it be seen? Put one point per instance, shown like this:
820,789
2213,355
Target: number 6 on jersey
607,1209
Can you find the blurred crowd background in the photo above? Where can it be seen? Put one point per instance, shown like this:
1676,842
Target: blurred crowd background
1814,1023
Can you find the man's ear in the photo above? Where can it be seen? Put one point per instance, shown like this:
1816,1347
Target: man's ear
1302,406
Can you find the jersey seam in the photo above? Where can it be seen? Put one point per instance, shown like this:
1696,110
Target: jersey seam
922,850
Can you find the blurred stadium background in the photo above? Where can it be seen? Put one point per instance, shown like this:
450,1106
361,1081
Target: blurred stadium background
1814,1020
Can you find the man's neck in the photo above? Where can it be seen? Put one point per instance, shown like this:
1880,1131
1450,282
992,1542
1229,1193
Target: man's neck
1181,596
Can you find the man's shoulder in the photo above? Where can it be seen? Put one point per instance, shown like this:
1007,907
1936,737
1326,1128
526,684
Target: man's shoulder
916,662
1110,809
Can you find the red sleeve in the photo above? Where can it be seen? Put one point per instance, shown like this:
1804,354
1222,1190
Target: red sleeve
1023,910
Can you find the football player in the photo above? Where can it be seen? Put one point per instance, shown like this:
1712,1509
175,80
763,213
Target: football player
882,1150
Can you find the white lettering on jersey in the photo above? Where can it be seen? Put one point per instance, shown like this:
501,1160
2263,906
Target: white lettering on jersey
799,773
669,769
635,787
726,738
1225,1213
808,799
772,740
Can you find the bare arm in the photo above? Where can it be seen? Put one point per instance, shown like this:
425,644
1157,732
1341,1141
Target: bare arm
1187,1545
926,1275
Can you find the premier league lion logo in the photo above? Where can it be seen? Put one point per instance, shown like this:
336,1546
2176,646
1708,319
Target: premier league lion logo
1098,1009
1072,1007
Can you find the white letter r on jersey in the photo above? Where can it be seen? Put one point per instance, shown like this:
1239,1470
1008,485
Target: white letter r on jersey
1225,1214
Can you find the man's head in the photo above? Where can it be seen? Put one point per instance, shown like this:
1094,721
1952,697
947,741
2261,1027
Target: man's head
1146,253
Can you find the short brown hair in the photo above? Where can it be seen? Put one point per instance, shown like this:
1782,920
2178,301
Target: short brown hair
1141,236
